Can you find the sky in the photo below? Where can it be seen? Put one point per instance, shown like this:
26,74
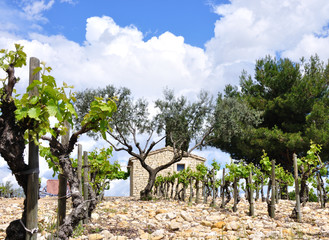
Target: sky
150,45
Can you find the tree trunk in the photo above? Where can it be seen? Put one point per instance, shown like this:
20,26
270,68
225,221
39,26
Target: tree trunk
247,189
191,190
197,191
272,202
296,211
205,190
172,190
184,193
257,191
213,204
177,191
167,191
277,187
303,190
322,192
146,193
80,209
251,197
235,194
12,145
262,190
223,189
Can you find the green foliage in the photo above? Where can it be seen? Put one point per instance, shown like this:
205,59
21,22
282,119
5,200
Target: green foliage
238,171
312,159
131,117
184,176
6,189
182,120
201,172
233,118
97,118
15,58
215,165
312,196
78,231
102,171
51,101
293,101
266,163
53,162
283,176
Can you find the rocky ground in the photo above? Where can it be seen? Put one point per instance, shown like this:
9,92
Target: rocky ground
125,218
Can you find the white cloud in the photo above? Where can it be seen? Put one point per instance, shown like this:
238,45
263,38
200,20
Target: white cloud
309,46
69,1
118,188
249,30
119,56
34,9
24,16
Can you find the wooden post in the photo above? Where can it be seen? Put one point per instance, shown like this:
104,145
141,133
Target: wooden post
320,192
222,191
235,194
61,204
272,206
33,178
277,190
213,203
85,180
62,185
251,197
80,167
298,214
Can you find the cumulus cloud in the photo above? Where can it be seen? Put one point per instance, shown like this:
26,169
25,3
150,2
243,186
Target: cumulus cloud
119,55
249,30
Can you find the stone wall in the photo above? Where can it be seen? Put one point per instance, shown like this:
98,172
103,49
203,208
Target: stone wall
139,176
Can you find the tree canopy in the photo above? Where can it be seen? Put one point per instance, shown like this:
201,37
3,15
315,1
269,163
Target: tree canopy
177,119
293,100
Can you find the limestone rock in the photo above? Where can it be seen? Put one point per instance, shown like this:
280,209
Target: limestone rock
94,216
186,216
161,211
127,219
170,215
174,226
95,236
145,236
232,226
219,225
206,223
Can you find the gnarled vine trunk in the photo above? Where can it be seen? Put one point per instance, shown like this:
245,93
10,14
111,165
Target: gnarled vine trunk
12,145
81,209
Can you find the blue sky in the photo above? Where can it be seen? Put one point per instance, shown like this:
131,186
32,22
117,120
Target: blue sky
148,46
193,19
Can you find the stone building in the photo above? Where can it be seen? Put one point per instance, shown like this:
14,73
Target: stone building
139,176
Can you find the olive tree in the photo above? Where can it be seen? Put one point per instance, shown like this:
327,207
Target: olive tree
133,120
